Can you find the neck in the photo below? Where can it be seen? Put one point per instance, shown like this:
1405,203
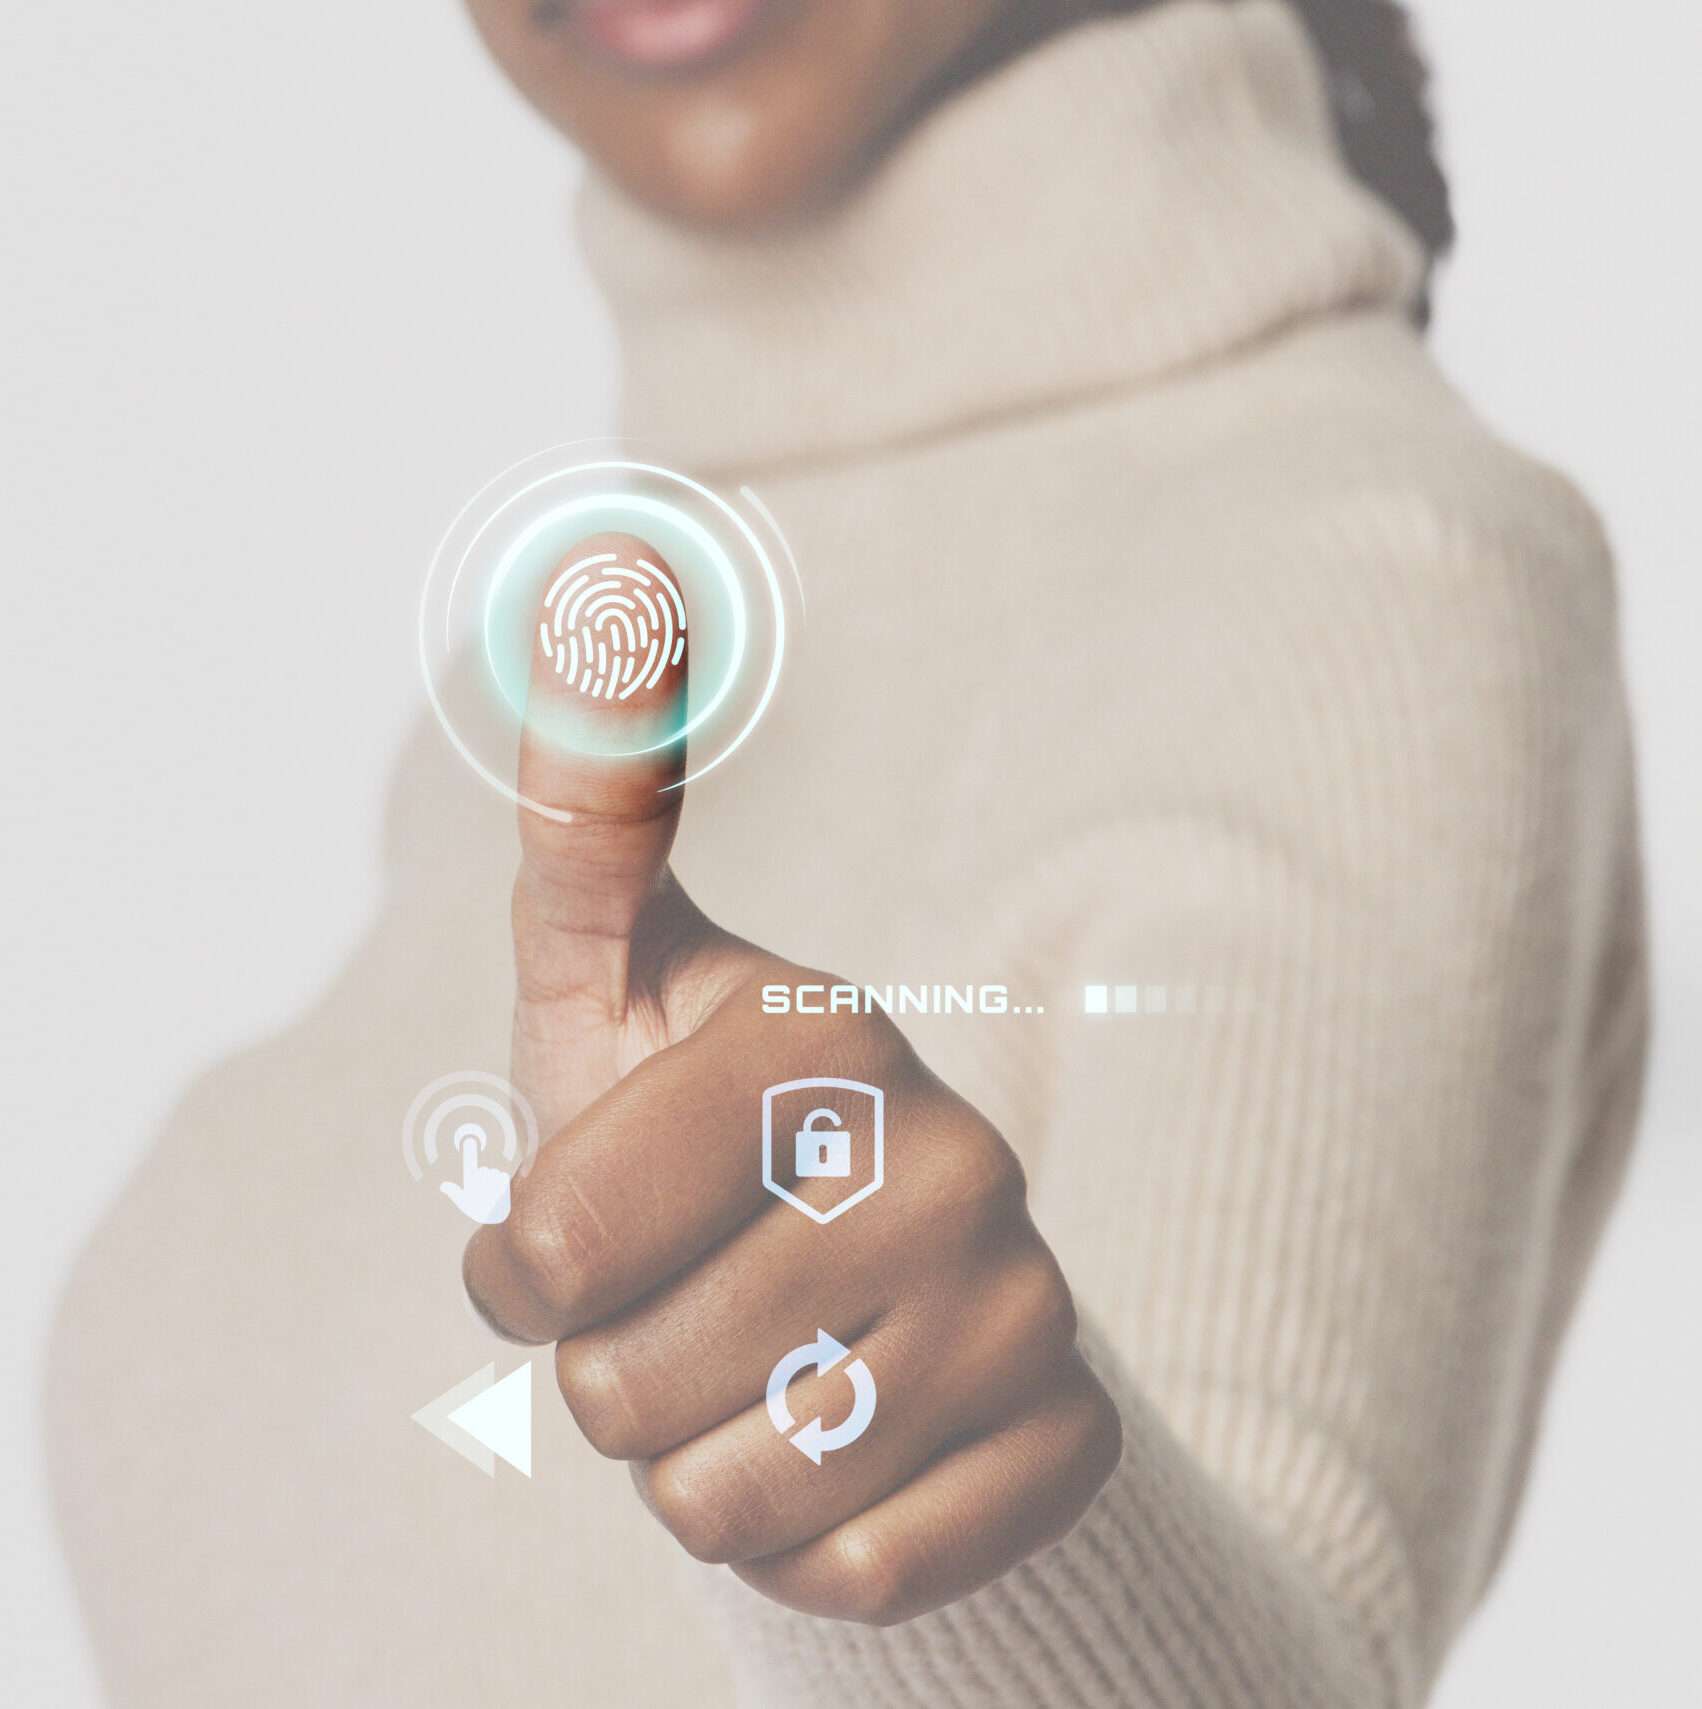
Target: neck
1135,196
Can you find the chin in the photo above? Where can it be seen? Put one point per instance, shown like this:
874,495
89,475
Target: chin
723,170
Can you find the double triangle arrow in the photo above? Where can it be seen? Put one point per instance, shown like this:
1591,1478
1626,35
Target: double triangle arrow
485,1421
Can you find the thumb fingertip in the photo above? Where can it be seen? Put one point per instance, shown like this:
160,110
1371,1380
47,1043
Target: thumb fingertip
611,629
606,708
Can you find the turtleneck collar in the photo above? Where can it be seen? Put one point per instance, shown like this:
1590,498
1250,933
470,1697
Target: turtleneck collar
1133,198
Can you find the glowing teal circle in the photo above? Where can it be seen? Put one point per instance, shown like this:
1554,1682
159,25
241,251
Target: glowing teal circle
678,537
454,560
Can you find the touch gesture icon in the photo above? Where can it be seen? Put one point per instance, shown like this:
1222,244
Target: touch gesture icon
487,1122
482,1192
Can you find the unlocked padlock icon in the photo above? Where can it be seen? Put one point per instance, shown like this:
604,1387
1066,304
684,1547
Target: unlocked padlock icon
822,1152
821,1144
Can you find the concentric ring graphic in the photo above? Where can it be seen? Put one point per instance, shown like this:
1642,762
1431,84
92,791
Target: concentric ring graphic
484,1101
507,582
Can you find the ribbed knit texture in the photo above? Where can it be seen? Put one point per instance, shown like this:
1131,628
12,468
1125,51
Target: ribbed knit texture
1172,623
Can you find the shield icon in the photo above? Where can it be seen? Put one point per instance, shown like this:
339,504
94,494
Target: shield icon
819,1131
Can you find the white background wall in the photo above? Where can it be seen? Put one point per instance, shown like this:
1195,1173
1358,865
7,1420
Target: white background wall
1571,317
281,284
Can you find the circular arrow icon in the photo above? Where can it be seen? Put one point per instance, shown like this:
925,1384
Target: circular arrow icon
823,1353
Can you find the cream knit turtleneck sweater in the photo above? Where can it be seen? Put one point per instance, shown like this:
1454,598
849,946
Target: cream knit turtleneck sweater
1171,624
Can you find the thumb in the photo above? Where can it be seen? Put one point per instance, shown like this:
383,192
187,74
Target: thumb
451,1190
598,755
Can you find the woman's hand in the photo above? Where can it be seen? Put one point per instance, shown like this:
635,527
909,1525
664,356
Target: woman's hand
644,1243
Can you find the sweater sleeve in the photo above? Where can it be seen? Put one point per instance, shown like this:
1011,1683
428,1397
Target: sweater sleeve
1327,1186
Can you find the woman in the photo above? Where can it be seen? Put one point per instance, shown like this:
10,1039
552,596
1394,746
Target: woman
1173,626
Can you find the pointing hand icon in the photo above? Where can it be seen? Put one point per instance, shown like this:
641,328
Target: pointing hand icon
481,1193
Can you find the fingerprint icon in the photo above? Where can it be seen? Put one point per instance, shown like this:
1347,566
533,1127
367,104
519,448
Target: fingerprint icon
610,628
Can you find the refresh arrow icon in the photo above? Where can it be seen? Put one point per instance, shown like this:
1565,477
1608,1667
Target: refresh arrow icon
813,1440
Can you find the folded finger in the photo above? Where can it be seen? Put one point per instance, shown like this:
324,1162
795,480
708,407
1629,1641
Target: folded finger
966,1520
748,1489
661,1168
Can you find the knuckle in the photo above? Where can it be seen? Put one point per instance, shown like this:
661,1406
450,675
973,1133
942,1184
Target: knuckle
715,1513
552,1256
881,1046
1041,1306
865,1045
1096,1430
980,1181
872,1579
599,1389
489,1293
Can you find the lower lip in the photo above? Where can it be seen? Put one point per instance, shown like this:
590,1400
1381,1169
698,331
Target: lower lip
667,34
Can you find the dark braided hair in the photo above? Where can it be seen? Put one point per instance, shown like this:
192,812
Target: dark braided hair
1379,89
